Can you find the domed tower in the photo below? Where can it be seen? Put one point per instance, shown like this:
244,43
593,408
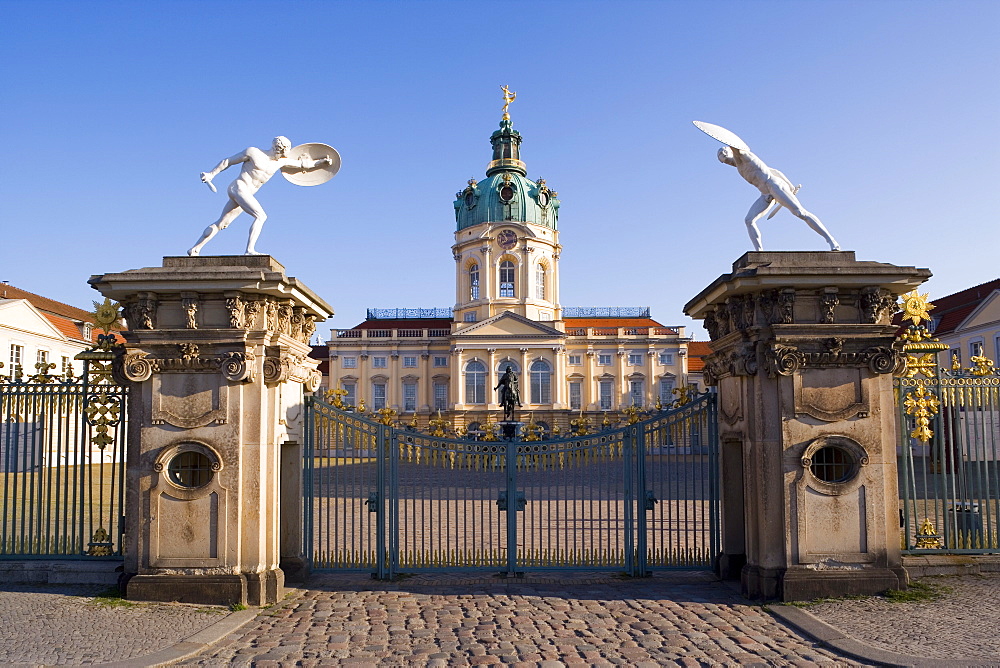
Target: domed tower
506,239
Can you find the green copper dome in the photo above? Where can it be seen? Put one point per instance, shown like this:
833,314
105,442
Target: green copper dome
507,194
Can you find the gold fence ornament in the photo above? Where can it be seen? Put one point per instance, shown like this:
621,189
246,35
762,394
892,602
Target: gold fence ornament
923,405
928,537
983,365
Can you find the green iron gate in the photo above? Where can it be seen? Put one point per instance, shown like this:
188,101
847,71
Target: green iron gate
389,499
62,457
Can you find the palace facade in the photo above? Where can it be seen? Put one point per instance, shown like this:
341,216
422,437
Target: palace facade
573,362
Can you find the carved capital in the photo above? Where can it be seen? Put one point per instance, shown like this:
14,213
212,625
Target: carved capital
235,307
276,369
190,306
252,311
785,312
828,305
137,367
875,305
238,367
783,360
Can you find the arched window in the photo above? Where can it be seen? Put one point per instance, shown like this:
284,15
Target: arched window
507,279
474,282
508,362
541,382
475,382
540,282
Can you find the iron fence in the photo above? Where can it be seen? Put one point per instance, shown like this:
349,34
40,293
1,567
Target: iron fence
387,499
62,454
949,463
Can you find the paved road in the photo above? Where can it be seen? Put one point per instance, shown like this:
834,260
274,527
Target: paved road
685,619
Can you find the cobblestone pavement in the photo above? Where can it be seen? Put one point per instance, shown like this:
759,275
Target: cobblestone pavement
684,619
65,625
961,624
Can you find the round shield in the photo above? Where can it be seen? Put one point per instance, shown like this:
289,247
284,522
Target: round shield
720,133
316,175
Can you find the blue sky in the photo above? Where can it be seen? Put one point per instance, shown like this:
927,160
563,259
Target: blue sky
882,110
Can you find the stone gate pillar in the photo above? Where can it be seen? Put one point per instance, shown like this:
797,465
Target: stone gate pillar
217,356
803,354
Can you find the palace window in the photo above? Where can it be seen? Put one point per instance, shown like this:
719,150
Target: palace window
541,382
379,362
540,282
409,397
409,362
507,279
349,362
604,360
440,361
475,382
666,390
469,316
474,282
635,359
67,365
975,348
42,357
508,362
636,393
666,359
378,395
351,398
440,396
575,360
16,359
575,395
606,388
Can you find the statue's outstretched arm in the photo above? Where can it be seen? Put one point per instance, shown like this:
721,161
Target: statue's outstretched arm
224,165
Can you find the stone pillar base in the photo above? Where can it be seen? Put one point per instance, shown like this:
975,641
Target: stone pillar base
296,569
244,589
265,588
730,566
808,584
204,589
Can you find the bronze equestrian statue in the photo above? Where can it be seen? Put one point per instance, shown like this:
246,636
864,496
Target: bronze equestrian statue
510,393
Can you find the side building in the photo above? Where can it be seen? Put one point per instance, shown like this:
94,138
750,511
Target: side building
37,330
969,322
573,362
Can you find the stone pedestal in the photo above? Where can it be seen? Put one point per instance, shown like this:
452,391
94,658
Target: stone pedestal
803,355
217,354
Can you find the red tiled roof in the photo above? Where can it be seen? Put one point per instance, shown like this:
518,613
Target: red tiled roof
68,328
45,304
697,350
612,322
63,317
951,310
406,323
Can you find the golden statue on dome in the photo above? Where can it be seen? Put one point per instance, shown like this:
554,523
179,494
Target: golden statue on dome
508,97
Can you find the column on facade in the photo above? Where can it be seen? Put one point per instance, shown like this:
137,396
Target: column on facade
559,388
590,389
525,377
394,389
456,378
487,279
363,389
491,380
621,372
554,282
524,289
651,390
425,387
